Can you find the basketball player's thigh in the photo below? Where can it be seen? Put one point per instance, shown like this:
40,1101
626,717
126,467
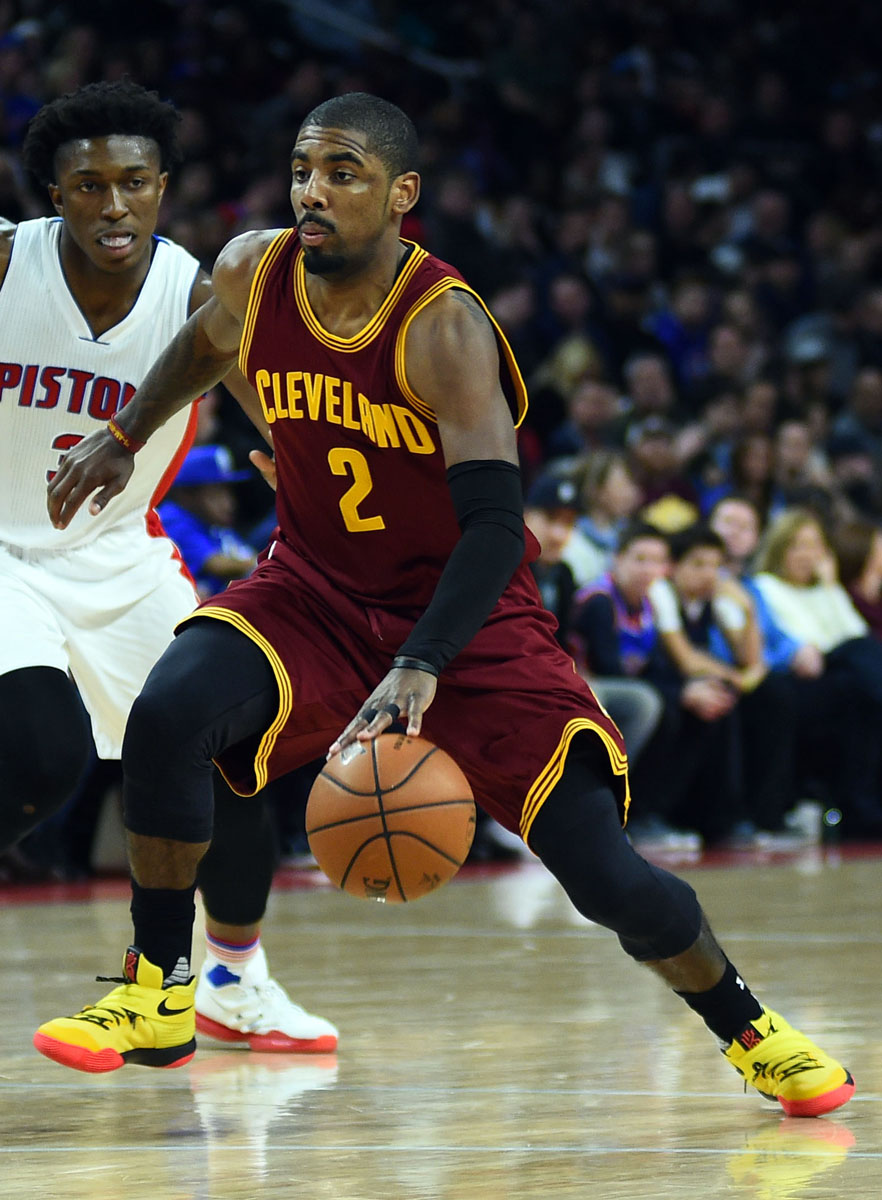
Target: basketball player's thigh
32,634
111,661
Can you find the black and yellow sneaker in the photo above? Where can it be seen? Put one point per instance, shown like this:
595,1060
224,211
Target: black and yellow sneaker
783,1065
138,1022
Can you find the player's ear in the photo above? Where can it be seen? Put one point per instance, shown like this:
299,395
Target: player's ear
55,198
163,180
405,192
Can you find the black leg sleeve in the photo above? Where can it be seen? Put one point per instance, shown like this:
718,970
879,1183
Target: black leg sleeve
578,836
211,689
45,745
236,874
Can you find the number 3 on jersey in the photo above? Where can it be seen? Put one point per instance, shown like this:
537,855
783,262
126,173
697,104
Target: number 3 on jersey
343,461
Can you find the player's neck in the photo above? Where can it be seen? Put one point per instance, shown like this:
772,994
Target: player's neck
344,306
104,298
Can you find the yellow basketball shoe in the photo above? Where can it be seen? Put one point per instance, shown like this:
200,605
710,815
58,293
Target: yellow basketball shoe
138,1022
783,1065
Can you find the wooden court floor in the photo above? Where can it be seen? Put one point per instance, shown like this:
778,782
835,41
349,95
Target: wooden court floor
494,1046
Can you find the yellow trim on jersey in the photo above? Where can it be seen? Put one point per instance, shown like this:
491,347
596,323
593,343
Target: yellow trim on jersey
550,775
446,285
286,692
365,336
258,283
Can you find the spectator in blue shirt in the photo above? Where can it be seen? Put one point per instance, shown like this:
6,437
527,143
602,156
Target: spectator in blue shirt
199,517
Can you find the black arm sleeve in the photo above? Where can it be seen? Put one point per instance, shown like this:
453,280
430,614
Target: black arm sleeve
488,500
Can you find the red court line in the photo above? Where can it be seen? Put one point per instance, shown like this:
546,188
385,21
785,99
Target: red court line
292,879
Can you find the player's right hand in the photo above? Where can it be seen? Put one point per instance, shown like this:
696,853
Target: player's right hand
98,461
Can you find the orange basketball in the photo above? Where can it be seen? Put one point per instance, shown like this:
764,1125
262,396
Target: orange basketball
391,819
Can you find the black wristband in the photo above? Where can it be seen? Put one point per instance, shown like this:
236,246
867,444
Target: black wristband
405,663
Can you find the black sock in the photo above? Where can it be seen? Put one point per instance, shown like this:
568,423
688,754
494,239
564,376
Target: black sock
163,920
727,1007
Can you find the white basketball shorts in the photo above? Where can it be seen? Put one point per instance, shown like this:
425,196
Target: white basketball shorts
104,612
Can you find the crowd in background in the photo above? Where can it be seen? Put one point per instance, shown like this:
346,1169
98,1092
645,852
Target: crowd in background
674,210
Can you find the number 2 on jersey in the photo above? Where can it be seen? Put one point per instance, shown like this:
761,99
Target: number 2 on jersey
343,461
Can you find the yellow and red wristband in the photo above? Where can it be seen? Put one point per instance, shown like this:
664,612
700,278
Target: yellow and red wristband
125,440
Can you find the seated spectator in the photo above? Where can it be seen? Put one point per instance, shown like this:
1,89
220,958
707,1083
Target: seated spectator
797,576
750,474
668,498
614,640
735,697
593,409
199,516
609,498
858,547
801,473
551,507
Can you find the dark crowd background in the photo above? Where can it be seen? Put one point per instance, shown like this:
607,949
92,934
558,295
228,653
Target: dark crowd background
673,208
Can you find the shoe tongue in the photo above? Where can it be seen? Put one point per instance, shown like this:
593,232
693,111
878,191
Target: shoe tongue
749,1037
130,964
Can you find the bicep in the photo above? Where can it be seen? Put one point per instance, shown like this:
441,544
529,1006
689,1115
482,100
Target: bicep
452,364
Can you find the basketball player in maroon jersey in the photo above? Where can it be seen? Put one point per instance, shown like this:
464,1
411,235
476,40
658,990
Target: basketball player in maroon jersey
397,586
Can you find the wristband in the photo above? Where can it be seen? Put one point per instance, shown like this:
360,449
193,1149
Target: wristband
125,439
405,663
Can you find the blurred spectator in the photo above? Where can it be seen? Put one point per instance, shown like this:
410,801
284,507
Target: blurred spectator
801,473
199,516
735,695
858,549
593,411
609,497
668,498
550,510
797,576
615,637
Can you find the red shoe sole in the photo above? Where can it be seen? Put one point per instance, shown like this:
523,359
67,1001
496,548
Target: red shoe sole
273,1042
97,1062
818,1105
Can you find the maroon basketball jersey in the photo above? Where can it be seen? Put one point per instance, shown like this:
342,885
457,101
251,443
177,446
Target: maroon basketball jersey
362,491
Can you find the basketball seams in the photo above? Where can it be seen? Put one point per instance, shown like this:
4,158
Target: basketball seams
391,842
392,812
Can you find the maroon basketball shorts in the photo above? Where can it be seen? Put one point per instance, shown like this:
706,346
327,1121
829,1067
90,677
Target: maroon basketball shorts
507,708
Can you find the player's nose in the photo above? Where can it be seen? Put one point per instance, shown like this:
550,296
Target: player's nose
115,204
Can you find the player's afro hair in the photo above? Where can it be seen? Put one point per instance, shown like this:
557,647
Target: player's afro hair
99,110
390,132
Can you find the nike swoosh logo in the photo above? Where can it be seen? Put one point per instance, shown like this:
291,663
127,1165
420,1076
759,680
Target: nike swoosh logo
164,1011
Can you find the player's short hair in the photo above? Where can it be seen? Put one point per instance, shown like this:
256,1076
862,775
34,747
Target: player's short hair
390,132
100,110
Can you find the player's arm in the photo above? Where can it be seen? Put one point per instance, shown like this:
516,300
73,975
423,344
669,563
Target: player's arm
198,357
234,381
452,363
7,234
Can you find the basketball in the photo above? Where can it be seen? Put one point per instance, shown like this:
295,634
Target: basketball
391,819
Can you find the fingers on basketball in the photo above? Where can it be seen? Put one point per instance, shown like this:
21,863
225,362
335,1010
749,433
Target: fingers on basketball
390,819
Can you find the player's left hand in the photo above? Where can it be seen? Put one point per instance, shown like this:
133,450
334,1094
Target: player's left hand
266,464
404,694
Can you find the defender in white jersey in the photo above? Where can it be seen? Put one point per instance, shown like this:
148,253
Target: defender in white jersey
88,299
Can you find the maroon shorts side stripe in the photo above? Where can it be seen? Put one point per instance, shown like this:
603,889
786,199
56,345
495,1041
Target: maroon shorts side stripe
545,783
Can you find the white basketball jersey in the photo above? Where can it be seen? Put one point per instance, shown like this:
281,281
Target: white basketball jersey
58,383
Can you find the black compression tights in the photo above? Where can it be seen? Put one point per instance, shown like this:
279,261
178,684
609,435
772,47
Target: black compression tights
211,689
578,836
44,747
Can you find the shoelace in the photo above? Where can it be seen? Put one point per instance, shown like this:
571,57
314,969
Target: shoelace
783,1068
273,992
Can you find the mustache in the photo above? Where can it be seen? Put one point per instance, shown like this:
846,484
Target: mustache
312,219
